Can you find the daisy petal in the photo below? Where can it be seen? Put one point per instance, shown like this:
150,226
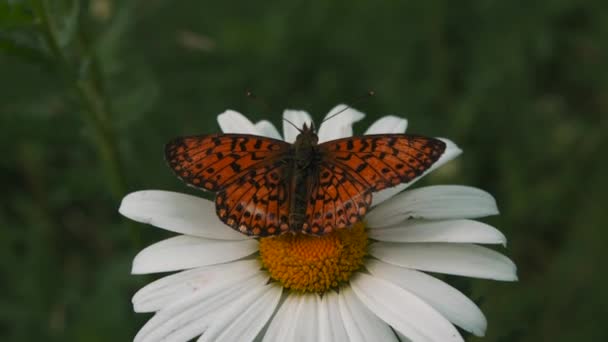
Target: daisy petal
182,252
451,303
307,328
178,213
282,326
244,319
336,324
340,126
360,323
460,259
267,129
451,151
191,316
403,310
235,122
164,291
324,323
297,118
387,124
439,231
402,338
436,203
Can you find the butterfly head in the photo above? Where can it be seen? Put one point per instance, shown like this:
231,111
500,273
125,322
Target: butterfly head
304,146
307,128
307,136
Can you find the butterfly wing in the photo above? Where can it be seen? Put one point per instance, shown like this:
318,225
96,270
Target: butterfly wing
257,203
352,168
248,173
338,199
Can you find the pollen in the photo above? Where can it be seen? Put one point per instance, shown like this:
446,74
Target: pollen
307,263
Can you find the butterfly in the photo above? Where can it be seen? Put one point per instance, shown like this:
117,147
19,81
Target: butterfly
267,187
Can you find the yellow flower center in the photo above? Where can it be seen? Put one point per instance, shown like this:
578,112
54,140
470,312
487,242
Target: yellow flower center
311,263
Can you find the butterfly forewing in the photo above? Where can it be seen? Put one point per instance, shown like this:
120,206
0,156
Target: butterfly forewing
384,160
213,161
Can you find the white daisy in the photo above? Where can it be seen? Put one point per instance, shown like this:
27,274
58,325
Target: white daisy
232,287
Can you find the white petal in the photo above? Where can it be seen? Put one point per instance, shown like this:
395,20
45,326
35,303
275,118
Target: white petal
452,258
341,125
169,289
243,319
178,213
402,338
360,323
451,303
388,124
451,151
336,324
235,122
437,202
294,321
267,129
182,252
403,310
439,231
324,324
192,315
307,329
283,326
297,118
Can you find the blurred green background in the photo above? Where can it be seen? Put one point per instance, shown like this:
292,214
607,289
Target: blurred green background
90,92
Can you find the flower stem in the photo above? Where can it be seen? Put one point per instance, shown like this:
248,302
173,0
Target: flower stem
88,86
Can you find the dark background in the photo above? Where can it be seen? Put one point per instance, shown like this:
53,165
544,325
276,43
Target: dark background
90,92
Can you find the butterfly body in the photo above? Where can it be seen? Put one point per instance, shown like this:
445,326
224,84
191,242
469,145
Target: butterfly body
306,160
267,187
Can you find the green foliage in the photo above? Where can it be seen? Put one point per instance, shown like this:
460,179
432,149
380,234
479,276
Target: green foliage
91,91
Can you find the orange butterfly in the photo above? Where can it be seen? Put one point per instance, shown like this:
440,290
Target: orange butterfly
266,186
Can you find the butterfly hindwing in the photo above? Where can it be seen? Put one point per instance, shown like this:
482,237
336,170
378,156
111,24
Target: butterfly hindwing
337,200
257,203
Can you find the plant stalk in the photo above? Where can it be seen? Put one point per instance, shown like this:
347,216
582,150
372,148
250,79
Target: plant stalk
88,87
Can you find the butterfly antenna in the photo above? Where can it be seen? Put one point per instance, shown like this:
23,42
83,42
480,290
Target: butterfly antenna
294,125
357,100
